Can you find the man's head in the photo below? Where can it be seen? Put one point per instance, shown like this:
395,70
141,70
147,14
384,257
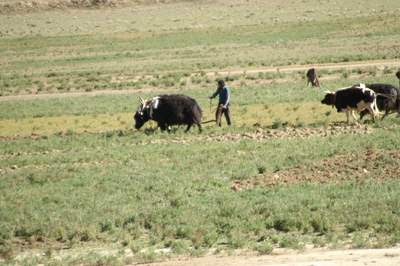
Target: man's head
221,84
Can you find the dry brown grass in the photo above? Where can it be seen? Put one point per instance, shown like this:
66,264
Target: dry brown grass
23,6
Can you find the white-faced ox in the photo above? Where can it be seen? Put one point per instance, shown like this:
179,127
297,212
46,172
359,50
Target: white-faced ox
351,99
169,110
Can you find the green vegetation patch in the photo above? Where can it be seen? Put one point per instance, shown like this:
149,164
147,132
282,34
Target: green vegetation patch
108,188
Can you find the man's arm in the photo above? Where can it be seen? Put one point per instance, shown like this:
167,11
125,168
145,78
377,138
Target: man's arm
214,94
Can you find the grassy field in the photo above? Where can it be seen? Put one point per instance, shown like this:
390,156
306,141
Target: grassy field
79,186
92,49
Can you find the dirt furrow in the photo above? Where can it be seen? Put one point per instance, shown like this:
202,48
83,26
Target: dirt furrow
377,164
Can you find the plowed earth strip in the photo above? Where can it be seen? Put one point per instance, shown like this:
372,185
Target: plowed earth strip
261,134
376,164
258,134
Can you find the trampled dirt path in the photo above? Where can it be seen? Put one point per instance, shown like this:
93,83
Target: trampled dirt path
314,257
291,68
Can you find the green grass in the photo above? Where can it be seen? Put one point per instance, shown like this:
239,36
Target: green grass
84,179
93,189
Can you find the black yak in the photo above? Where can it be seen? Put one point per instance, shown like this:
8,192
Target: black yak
388,98
168,110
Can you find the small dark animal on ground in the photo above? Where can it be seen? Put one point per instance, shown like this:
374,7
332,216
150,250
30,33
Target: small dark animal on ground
350,99
388,98
169,110
312,77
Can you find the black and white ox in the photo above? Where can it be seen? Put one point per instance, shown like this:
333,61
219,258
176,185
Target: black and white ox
357,98
388,98
169,110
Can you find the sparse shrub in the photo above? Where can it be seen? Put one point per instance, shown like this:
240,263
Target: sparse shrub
6,250
278,124
196,80
179,246
283,224
237,239
288,241
229,78
264,248
136,247
51,75
299,124
106,226
387,70
251,77
372,72
69,132
319,225
147,256
261,169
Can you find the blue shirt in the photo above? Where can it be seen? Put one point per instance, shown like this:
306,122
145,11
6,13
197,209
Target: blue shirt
224,95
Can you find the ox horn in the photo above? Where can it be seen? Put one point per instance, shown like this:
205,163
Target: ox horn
141,100
328,91
362,86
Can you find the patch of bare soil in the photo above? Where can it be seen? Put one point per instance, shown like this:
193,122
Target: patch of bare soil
258,134
315,257
26,6
378,164
261,134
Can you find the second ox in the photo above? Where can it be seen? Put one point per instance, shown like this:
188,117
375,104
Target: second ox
388,98
356,98
169,110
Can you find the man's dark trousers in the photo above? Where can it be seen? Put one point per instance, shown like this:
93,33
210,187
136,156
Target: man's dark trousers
221,110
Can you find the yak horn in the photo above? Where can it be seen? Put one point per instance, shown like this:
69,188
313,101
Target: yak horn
141,100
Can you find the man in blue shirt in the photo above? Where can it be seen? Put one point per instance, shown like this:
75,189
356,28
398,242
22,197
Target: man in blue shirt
223,102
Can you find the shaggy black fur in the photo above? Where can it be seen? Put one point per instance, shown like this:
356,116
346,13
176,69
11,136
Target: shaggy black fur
348,97
173,109
388,98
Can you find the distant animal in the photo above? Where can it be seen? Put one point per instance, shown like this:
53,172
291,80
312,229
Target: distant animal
388,98
169,110
350,99
312,77
398,76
